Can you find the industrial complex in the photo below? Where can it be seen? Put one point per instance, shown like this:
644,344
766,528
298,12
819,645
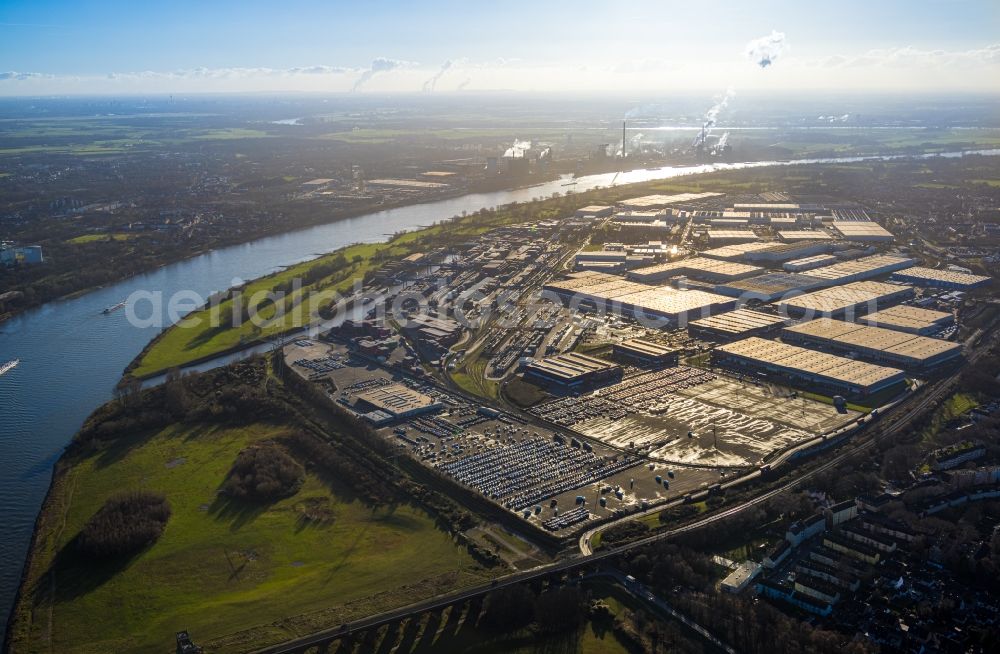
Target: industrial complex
569,381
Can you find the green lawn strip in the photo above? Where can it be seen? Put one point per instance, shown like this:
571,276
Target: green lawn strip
220,567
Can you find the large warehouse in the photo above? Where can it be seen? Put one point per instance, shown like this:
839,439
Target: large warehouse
643,352
949,279
808,263
874,343
701,268
678,306
862,231
571,370
659,201
807,368
863,268
395,400
735,324
770,286
609,293
777,252
912,320
856,298
793,235
736,252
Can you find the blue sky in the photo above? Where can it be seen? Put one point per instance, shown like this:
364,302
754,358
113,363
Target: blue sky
56,45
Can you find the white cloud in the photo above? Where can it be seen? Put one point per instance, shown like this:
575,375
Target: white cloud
910,57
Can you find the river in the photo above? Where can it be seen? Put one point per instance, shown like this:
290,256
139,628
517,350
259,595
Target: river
72,356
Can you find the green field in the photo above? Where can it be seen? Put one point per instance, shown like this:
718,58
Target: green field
222,567
195,337
103,236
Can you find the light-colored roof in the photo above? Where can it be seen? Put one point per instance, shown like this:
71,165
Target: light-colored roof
819,364
738,322
838,298
695,267
908,318
877,264
949,276
861,229
914,349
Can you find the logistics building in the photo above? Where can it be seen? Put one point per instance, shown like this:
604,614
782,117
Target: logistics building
659,201
770,286
396,400
644,352
949,279
792,235
735,324
612,294
856,298
808,263
701,268
807,368
862,231
912,320
737,252
571,370
594,211
777,252
863,268
876,344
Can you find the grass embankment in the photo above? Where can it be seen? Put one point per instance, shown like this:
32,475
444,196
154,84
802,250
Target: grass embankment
220,567
955,406
104,236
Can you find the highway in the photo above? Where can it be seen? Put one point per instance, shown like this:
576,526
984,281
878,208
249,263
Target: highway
889,425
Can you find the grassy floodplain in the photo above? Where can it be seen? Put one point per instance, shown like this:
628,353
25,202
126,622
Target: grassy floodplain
221,568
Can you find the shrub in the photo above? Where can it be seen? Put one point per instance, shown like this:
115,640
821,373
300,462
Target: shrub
125,524
263,472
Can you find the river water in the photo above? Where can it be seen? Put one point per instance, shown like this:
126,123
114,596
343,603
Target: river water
72,356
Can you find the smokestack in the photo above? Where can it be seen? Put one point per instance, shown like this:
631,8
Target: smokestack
623,140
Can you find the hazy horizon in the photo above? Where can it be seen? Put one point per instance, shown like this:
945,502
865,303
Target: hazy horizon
53,47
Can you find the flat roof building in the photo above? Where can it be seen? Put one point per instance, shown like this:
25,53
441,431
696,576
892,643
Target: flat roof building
735,324
808,368
701,268
611,294
949,279
595,211
808,263
909,319
737,252
862,231
770,286
658,201
874,343
776,252
856,298
792,235
397,400
863,268
571,370
643,352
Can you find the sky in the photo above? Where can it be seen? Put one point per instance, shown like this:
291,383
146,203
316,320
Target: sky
378,46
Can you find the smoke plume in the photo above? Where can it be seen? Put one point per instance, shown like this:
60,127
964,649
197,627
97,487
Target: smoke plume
766,49
380,65
465,82
432,82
